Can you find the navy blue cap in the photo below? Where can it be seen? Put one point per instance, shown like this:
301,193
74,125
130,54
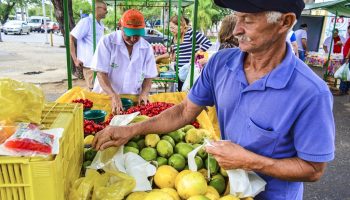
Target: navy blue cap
256,6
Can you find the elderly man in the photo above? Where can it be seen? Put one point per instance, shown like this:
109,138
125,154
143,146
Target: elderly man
83,35
125,62
275,112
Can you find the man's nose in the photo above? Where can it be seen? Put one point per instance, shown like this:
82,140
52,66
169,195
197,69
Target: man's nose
238,30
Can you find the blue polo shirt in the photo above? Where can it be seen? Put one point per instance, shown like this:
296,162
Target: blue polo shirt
287,113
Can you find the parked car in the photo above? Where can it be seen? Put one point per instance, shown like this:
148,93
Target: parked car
51,27
16,27
35,22
154,36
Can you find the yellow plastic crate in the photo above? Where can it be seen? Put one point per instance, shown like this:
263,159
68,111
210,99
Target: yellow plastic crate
24,178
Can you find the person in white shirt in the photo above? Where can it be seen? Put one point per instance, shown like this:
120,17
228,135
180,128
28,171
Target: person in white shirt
301,38
125,62
82,33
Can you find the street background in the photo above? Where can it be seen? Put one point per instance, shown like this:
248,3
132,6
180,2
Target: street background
28,58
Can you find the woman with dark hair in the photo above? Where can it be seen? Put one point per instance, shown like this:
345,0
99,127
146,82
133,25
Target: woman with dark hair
226,37
185,47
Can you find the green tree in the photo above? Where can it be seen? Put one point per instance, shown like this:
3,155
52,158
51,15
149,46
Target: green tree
82,5
7,7
206,11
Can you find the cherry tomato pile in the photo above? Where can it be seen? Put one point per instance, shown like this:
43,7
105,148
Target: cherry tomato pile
153,109
150,109
90,127
86,102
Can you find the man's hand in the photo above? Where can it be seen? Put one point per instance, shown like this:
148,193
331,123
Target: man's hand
78,63
112,136
117,106
229,155
339,43
143,99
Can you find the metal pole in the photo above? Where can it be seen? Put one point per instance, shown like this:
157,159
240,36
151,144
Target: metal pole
163,18
330,49
178,39
45,25
66,32
94,28
115,15
194,34
94,24
167,48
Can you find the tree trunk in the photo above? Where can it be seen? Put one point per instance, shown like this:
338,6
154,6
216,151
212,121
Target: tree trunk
8,9
22,14
58,5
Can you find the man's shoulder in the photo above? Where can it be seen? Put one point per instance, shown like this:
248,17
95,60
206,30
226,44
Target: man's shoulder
308,79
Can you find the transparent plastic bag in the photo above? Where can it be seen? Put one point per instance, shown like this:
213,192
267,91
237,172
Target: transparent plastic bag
20,102
29,140
242,183
343,72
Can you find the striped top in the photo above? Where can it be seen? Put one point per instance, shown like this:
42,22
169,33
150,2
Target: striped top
186,47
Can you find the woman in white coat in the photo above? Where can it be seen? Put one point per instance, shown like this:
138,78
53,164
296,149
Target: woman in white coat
125,62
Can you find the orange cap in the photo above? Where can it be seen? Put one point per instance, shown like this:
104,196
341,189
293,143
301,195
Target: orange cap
133,22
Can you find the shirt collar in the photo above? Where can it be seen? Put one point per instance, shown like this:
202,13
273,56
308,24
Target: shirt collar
278,78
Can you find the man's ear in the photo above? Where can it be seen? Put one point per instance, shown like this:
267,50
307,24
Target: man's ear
287,21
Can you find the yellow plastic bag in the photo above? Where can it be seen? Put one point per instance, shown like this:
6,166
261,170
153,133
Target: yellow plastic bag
20,102
110,185
113,186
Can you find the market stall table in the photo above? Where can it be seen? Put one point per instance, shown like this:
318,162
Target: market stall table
319,60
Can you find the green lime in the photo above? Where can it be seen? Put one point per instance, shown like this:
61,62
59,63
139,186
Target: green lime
213,165
130,149
183,149
187,128
141,144
199,162
169,139
148,153
218,182
165,149
177,161
90,154
162,161
177,136
132,144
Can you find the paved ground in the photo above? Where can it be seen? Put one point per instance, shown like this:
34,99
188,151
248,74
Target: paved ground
16,58
335,184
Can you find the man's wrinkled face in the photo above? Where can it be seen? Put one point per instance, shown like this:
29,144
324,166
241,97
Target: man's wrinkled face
253,31
130,40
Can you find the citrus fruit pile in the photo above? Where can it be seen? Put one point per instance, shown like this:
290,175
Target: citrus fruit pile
173,180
